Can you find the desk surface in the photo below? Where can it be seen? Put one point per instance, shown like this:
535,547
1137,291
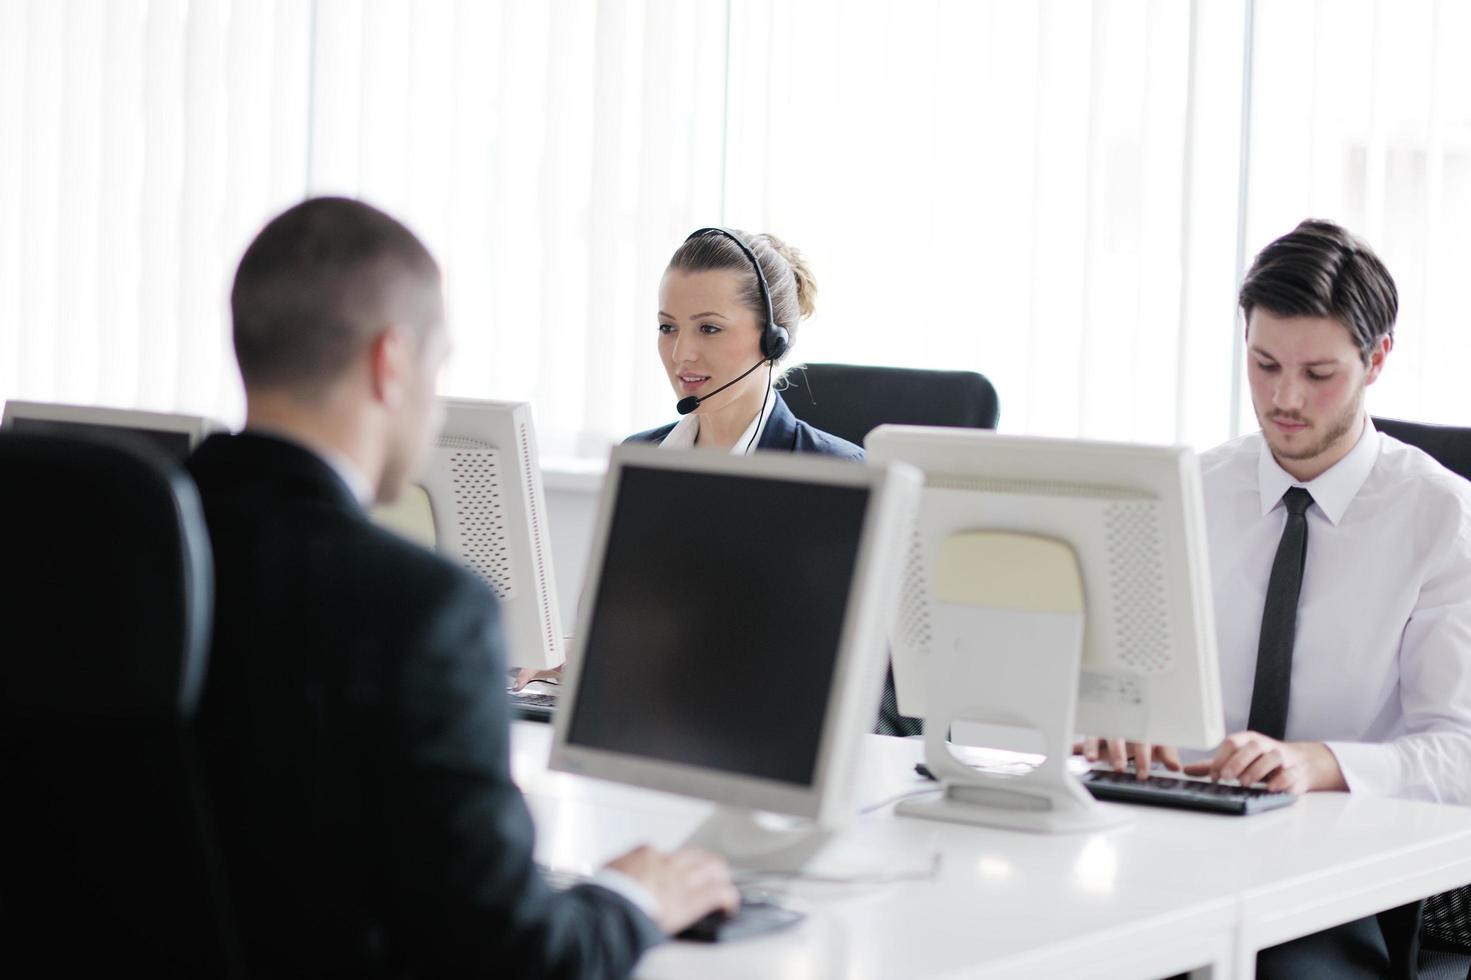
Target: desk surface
1168,892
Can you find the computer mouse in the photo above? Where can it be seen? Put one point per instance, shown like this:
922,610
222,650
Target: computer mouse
753,918
537,687
705,929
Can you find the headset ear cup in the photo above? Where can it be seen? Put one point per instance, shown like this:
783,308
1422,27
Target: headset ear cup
774,342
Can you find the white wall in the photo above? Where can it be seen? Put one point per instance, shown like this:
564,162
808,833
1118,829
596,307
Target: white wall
571,491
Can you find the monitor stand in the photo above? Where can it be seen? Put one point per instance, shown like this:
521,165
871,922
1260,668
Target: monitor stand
756,841
1024,595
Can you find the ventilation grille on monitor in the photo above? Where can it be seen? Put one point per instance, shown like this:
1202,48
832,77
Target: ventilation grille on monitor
1140,634
538,553
914,601
480,512
1142,639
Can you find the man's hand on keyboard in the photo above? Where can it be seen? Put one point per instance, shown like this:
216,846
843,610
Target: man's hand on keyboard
1286,767
526,675
687,884
1117,753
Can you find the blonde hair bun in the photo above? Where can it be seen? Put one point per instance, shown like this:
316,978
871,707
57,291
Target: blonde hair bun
802,274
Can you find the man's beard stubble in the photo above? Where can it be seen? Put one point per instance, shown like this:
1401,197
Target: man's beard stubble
1340,426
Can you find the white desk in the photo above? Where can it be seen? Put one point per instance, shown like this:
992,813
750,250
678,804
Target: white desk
1167,893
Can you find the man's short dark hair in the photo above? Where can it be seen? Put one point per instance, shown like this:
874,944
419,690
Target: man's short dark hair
1319,269
318,283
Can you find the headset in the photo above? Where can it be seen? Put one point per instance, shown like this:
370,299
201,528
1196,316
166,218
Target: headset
774,337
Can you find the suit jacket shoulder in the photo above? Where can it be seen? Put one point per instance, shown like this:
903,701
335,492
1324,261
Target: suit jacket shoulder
784,431
655,436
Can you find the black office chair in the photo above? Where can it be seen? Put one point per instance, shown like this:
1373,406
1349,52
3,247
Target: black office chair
1445,920
1449,444
107,858
849,400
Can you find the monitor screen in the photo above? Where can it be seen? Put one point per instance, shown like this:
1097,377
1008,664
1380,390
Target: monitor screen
174,444
717,619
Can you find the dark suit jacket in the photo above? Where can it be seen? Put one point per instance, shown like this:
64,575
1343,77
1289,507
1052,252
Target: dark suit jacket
355,730
785,432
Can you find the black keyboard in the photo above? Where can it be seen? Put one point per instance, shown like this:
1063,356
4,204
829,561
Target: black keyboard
532,707
549,700
1185,794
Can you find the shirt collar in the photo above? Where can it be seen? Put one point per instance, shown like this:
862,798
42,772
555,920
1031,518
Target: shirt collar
351,475
682,436
1334,489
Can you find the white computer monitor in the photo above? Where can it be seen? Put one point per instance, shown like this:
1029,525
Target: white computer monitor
731,641
479,500
174,435
1057,587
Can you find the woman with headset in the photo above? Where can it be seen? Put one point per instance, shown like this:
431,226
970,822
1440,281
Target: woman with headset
729,304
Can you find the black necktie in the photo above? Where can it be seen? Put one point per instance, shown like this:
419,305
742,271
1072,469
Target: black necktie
1279,621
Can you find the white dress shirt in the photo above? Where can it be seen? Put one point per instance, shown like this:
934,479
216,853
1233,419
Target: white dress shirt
635,892
1381,666
682,436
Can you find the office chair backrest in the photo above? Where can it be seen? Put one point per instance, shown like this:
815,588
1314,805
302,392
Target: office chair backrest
107,858
850,400
1446,917
1449,444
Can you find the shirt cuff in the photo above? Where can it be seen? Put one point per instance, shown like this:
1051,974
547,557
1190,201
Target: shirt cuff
1370,768
629,888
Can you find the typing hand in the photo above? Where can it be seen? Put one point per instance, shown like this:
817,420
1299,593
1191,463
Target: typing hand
1117,753
688,884
1288,767
520,678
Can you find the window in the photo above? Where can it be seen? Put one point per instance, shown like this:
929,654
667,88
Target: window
1057,195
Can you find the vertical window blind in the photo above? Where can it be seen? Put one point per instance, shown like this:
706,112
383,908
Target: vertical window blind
1058,195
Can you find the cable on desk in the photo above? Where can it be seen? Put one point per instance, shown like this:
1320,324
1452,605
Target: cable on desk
907,794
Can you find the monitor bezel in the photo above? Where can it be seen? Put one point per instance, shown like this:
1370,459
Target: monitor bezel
196,427
1168,473
853,696
535,629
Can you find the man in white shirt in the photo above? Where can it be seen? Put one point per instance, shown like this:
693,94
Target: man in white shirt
1379,699
1380,691
1341,566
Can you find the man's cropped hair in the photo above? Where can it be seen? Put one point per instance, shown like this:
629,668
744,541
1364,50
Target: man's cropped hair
318,283
1319,269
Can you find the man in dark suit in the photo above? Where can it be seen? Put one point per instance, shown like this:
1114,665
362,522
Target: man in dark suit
355,718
